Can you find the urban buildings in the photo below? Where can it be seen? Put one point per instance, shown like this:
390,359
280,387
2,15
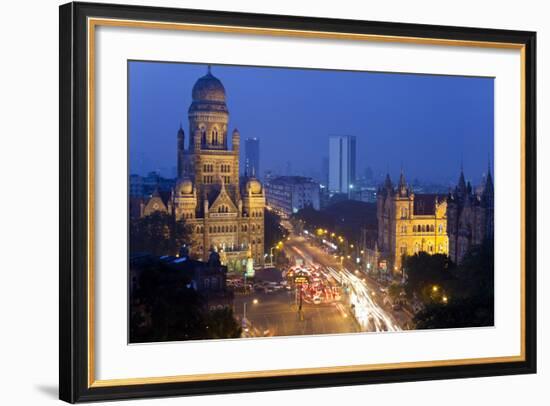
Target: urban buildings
142,186
288,194
470,216
342,163
252,157
223,214
409,223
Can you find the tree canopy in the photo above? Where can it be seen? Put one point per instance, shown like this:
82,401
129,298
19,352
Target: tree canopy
159,234
166,308
467,290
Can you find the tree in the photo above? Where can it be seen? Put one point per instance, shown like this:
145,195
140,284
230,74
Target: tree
167,308
469,301
428,276
274,231
174,308
159,233
220,323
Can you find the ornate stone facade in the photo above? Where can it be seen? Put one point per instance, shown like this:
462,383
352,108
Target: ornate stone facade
470,216
223,215
409,223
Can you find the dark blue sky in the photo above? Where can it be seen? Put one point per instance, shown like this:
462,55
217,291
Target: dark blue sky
425,123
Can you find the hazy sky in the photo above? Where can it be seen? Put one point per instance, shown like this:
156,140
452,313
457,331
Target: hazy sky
427,124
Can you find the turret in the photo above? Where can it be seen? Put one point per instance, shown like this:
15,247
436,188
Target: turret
487,197
236,141
402,187
461,189
181,150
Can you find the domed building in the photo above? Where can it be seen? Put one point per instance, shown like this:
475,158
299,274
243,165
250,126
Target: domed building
223,215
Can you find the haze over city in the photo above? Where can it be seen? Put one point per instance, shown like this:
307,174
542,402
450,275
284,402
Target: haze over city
428,125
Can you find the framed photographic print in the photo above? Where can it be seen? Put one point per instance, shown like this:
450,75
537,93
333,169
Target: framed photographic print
257,202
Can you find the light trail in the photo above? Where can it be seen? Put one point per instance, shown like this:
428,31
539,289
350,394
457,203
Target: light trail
369,315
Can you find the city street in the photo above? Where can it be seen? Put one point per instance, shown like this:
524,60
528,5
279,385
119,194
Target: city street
274,312
363,293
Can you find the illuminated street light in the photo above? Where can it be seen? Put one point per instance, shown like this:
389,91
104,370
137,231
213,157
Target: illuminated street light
255,301
435,288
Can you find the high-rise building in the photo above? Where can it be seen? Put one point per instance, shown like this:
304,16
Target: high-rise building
324,171
252,156
342,163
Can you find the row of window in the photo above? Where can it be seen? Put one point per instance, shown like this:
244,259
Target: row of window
223,209
418,248
229,228
215,137
424,228
224,168
256,213
222,229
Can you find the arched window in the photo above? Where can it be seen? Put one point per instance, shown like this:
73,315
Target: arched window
441,229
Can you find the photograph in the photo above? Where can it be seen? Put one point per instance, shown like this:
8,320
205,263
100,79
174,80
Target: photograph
274,202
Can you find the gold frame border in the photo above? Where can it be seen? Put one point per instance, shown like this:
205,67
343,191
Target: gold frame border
94,22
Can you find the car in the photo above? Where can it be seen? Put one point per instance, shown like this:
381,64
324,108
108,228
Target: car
316,300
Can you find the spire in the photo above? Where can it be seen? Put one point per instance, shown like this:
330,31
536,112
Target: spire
461,187
209,71
387,182
402,183
488,191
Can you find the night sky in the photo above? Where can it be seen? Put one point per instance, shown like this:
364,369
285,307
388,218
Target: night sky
426,124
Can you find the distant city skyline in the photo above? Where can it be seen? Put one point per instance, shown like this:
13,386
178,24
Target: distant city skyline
428,125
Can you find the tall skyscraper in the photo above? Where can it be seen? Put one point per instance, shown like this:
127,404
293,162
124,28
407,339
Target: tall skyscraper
252,156
342,162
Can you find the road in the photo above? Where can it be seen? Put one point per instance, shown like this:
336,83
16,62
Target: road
276,314
363,297
359,308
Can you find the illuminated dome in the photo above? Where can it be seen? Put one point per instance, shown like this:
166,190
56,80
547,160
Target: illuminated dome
254,186
185,187
208,89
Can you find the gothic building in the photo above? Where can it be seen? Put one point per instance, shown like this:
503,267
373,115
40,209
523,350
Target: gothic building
470,216
409,223
224,215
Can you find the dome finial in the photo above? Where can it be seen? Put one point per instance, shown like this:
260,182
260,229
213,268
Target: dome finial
209,71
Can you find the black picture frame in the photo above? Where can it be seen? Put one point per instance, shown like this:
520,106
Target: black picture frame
74,199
